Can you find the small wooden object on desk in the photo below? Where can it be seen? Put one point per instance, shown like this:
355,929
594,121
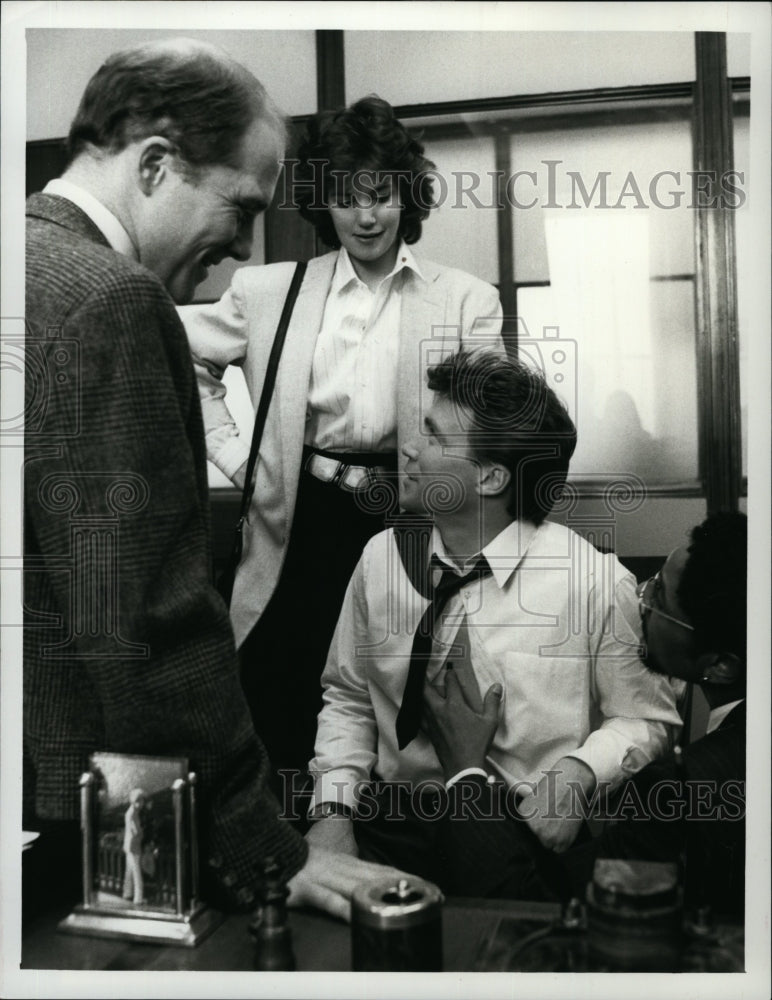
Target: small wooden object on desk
273,938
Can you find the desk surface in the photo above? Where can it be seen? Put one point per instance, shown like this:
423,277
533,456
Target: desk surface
321,944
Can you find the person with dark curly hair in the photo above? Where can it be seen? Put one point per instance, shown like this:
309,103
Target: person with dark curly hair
693,613
369,317
364,150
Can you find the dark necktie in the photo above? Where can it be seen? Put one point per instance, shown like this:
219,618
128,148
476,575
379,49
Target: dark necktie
409,715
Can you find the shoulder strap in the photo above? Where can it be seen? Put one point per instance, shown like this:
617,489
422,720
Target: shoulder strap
270,381
412,534
265,396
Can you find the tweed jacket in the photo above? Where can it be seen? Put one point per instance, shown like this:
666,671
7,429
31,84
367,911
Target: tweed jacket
449,308
128,647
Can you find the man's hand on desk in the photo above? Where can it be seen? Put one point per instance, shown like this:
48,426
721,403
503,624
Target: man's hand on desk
336,833
328,879
461,734
552,810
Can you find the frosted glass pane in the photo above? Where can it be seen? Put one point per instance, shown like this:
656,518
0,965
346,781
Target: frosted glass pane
626,170
675,415
624,364
461,231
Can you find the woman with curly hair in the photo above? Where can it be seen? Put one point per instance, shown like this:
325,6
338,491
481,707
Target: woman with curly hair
369,318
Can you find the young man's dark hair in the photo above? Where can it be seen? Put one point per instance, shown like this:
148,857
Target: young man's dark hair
713,588
364,139
198,100
516,419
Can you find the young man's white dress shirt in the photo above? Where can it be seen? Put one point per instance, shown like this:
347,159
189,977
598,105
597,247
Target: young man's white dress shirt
556,624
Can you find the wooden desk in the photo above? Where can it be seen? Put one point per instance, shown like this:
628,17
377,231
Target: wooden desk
321,943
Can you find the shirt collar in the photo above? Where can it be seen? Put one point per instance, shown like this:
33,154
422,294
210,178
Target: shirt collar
102,217
406,258
345,273
504,553
718,715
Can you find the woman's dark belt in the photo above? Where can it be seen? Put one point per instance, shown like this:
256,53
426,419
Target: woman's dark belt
350,471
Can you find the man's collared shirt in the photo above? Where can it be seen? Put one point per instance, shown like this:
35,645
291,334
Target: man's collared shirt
556,624
352,401
102,217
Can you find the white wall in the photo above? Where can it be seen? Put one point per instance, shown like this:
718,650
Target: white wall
404,67
61,61
416,67
738,54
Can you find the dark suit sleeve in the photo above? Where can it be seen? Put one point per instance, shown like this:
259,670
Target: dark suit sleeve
490,850
134,652
493,853
693,815
649,816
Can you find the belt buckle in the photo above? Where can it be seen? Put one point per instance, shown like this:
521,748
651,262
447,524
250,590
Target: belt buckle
319,467
349,478
337,476
352,483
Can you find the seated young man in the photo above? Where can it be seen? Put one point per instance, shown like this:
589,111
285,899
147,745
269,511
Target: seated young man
540,634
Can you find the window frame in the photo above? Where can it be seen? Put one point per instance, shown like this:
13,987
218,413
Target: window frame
711,94
719,477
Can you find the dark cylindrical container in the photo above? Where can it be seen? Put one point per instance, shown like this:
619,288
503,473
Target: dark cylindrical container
634,916
396,926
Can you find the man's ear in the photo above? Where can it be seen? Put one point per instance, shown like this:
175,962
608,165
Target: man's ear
720,668
154,162
494,479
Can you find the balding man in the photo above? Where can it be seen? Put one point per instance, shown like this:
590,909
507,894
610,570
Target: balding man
174,150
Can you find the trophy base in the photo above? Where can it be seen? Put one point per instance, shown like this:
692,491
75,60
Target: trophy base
185,931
